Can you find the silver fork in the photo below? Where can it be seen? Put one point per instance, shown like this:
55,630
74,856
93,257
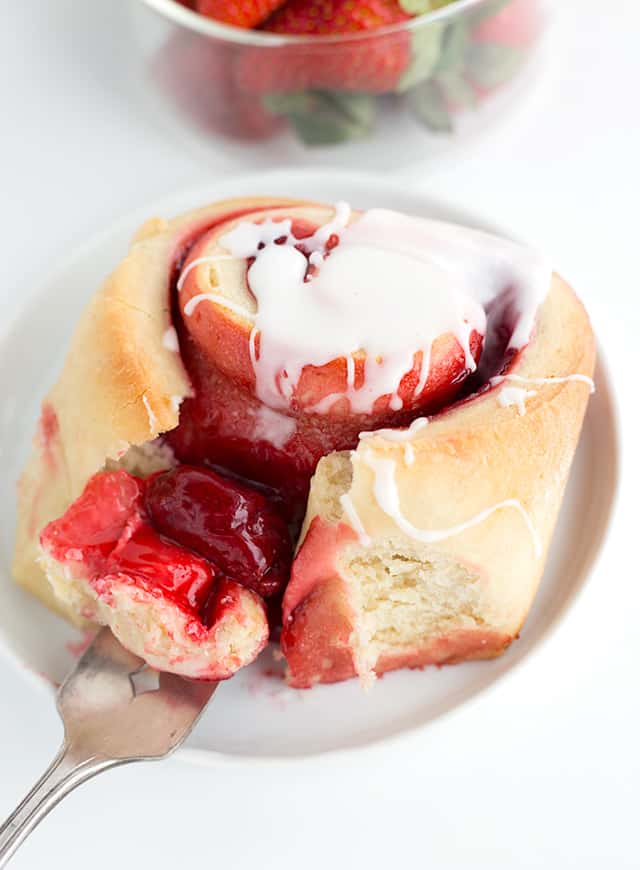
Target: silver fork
115,710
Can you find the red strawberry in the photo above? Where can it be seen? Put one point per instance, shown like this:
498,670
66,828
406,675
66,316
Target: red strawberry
372,64
335,16
239,13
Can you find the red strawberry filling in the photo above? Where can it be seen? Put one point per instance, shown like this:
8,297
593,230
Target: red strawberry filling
87,534
150,561
231,525
188,536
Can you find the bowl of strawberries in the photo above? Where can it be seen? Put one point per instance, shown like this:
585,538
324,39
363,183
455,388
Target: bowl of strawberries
333,71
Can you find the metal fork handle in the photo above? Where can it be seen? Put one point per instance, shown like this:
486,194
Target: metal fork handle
64,774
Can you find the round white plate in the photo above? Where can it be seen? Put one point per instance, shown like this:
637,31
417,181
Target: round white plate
255,715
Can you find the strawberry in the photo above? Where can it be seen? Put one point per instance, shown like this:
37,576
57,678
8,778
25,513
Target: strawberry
239,13
335,16
373,64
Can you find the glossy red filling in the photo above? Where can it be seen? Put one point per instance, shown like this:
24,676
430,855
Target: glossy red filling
234,527
189,535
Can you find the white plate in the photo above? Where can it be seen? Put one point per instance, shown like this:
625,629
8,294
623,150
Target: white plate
255,715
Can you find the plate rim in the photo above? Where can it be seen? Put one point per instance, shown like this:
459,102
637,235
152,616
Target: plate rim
165,206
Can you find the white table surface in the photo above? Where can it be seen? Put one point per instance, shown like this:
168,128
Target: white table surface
544,771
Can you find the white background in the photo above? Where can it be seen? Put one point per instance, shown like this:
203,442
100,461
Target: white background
544,771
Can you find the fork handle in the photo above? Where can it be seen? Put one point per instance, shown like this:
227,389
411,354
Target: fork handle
65,773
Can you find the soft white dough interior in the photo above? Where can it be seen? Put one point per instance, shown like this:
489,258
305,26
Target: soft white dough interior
159,632
403,593
403,598
144,459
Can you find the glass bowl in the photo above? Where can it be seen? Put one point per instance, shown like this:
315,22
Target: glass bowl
437,73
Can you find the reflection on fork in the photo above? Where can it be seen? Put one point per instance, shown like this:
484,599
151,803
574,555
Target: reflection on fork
115,710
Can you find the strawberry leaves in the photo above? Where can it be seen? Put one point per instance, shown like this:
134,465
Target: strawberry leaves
426,47
466,71
325,117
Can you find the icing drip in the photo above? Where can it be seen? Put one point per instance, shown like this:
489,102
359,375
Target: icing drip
388,499
351,372
397,434
153,421
319,239
191,305
199,262
422,278
400,435
356,524
515,396
565,379
170,340
274,427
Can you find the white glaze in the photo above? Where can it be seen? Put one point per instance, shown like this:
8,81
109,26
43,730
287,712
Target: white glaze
191,305
199,261
564,379
153,421
515,396
402,435
245,238
388,499
274,427
170,340
390,288
352,515
340,220
176,401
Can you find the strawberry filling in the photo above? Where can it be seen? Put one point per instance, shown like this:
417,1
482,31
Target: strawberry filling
234,527
188,536
151,562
